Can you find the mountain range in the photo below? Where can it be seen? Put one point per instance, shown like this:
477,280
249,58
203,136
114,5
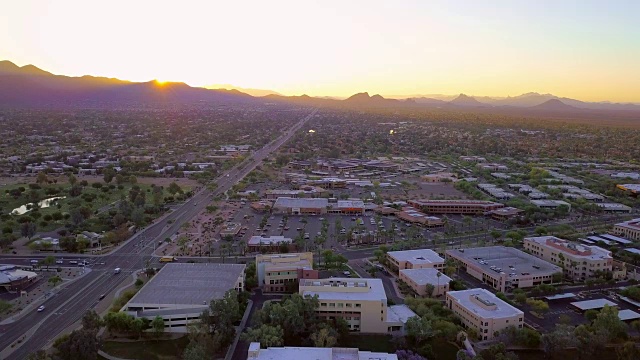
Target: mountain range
29,86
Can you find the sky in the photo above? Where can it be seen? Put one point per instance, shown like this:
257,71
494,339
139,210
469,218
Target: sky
588,49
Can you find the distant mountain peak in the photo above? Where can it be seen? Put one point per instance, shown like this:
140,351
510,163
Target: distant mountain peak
464,100
554,104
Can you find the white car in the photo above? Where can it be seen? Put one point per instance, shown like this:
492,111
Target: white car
59,262
41,308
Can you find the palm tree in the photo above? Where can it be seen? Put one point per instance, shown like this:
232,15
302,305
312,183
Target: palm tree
438,276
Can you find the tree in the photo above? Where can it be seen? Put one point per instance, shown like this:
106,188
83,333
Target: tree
591,314
39,355
266,335
419,329
539,306
560,338
324,338
49,260
91,321
429,288
80,344
108,174
28,229
174,188
195,352
628,351
54,280
409,355
157,324
609,323
42,178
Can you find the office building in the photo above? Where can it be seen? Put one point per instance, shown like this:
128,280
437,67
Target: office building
362,303
474,207
481,310
629,229
282,272
580,262
414,259
505,268
418,279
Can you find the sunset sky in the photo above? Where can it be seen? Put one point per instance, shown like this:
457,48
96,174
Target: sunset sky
589,50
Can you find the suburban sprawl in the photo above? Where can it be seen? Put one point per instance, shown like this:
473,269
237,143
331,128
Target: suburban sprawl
281,230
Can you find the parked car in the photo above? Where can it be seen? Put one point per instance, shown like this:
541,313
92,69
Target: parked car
41,308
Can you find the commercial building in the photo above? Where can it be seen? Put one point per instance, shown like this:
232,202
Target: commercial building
414,259
505,213
414,216
633,189
550,204
346,207
296,206
257,242
362,303
481,310
440,177
475,207
418,279
14,279
579,261
614,207
629,229
282,272
504,268
313,353
180,292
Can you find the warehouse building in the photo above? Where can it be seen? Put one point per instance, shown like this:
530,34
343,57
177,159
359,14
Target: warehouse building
296,206
180,292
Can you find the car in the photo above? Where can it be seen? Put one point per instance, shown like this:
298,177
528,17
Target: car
59,262
102,296
41,308
346,273
286,228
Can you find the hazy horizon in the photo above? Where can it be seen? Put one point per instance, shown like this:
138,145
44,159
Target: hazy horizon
582,50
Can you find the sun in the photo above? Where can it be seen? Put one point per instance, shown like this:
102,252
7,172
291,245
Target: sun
160,82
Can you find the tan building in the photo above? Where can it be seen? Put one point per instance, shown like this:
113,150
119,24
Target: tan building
282,272
440,177
481,310
505,268
362,303
418,279
414,259
580,262
629,229
476,207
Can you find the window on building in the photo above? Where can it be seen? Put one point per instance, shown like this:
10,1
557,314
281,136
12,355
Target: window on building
332,304
358,305
348,305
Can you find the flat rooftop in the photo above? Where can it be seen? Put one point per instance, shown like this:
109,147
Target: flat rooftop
471,300
626,315
269,240
633,224
426,276
189,284
574,249
365,289
312,353
301,202
593,304
510,260
419,256
399,314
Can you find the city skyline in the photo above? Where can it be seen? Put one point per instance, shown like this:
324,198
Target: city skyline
582,50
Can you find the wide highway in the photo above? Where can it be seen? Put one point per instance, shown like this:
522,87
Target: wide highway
68,305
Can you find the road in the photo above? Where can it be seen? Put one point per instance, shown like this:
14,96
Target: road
68,306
